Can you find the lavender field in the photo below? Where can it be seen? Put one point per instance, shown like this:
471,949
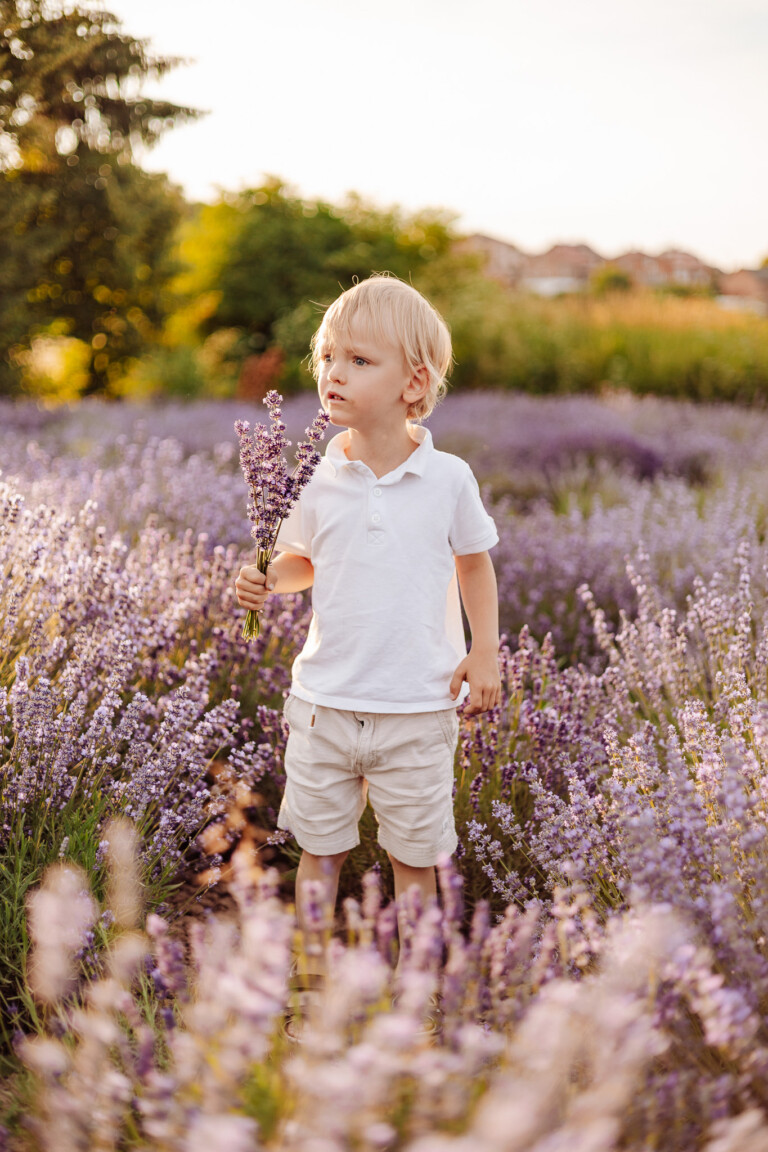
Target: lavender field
601,949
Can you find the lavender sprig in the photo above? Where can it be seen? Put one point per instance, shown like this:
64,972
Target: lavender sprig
273,490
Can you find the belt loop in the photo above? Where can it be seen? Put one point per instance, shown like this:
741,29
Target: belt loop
312,717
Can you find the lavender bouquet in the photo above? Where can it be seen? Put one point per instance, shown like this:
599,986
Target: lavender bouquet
273,488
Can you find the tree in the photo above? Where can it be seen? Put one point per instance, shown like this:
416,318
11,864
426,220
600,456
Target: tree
282,259
86,235
278,257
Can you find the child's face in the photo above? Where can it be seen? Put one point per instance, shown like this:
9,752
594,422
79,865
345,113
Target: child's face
362,385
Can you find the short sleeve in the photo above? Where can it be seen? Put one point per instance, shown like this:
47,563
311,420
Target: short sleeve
472,529
293,535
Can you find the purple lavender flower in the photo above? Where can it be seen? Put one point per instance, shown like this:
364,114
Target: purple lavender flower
273,489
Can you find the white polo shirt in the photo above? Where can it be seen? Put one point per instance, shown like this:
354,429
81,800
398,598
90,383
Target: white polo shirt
386,632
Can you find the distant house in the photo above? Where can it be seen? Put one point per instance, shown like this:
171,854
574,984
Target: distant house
569,267
644,270
745,290
564,268
503,261
685,269
671,267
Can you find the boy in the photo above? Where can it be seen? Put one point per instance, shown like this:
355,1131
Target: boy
380,533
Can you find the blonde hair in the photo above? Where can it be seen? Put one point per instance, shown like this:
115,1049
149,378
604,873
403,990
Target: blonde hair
391,311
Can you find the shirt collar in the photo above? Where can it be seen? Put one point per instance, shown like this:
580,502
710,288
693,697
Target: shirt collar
415,463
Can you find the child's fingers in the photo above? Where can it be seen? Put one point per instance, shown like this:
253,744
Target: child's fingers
457,680
482,698
252,600
253,587
251,575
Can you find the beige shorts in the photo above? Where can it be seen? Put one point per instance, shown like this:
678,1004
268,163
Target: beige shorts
401,762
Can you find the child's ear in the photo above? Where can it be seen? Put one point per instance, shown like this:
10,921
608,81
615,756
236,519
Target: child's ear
416,388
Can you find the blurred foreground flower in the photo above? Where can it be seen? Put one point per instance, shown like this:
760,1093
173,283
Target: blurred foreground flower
60,914
273,489
179,1049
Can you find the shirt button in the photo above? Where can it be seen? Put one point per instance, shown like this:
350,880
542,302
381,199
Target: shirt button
377,491
375,517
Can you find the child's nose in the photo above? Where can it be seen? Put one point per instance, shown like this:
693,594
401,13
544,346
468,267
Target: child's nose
335,371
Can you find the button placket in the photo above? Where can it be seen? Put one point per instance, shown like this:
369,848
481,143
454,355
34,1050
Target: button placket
375,492
375,518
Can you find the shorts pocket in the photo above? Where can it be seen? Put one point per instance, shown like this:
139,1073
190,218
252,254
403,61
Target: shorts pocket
299,713
449,725
289,706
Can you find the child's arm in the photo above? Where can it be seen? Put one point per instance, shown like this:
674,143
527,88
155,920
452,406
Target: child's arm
287,573
477,581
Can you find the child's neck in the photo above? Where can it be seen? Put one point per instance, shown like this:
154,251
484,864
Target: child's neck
380,451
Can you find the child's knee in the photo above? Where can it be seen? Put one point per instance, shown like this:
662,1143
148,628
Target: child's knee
332,862
406,869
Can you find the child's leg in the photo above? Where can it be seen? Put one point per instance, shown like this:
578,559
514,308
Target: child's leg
327,869
406,876
410,786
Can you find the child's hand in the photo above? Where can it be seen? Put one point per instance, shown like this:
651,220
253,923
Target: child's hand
253,587
481,671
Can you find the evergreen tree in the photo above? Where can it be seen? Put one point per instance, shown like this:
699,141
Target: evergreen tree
85,235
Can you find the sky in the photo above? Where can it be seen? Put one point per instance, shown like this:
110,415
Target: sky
618,123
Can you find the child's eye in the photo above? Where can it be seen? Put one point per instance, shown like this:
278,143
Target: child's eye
359,361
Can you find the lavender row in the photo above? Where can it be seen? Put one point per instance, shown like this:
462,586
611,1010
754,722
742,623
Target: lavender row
576,485
123,682
497,430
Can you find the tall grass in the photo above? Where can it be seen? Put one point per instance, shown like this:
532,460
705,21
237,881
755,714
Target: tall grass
687,348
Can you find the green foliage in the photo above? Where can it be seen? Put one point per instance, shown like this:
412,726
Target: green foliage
266,263
609,278
90,253
36,840
55,367
283,252
686,291
204,240
263,266
293,333
72,73
687,348
171,372
24,856
86,235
